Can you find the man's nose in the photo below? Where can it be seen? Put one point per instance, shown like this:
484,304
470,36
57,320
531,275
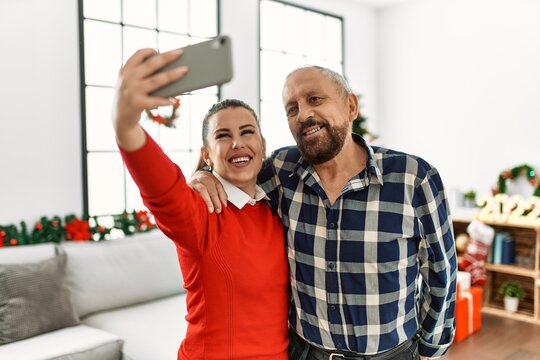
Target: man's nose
305,112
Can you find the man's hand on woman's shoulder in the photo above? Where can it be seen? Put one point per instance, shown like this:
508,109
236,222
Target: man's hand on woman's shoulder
210,189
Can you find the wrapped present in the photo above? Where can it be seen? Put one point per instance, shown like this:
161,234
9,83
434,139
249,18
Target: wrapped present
468,312
463,280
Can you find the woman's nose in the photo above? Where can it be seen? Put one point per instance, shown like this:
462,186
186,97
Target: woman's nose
238,143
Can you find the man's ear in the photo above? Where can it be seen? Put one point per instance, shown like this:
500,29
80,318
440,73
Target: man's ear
352,100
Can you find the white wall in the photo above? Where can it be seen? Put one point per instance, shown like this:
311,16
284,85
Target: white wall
40,155
459,84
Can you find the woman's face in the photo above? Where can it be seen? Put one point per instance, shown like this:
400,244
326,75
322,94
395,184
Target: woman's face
235,147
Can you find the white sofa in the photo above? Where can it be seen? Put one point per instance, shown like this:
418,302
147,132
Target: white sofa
127,294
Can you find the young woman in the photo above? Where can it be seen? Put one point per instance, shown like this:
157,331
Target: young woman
233,263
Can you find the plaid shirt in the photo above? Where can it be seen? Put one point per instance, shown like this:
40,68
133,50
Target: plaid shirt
355,265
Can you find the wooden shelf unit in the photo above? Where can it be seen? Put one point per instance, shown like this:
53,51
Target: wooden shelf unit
527,241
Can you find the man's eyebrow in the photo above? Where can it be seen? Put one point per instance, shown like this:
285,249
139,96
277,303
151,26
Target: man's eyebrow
305,95
290,103
313,92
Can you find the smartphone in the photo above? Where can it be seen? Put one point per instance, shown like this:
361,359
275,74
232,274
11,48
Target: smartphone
209,63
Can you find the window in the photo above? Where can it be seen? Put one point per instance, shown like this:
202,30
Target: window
292,36
111,31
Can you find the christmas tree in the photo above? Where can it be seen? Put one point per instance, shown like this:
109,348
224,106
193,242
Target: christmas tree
359,125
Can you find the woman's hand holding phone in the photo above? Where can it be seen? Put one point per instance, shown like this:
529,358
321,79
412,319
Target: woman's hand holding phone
137,79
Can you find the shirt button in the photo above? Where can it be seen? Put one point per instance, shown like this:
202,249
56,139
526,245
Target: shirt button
333,307
331,266
332,225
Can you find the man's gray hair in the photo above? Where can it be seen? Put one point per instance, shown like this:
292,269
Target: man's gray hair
338,79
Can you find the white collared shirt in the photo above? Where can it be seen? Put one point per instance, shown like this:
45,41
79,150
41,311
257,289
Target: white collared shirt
237,196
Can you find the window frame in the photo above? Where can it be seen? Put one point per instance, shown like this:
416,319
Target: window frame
85,152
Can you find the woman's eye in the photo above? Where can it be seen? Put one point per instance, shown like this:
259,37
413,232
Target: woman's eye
219,136
248,132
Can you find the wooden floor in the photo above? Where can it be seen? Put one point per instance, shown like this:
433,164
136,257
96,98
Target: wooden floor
499,339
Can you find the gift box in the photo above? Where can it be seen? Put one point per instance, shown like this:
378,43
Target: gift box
463,280
468,312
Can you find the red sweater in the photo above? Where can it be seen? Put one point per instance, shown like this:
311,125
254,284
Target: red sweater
234,264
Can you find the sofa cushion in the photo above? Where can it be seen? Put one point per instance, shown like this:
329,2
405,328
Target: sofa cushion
161,321
34,299
26,253
117,273
73,343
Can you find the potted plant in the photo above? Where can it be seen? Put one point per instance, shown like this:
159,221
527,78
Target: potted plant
469,198
512,292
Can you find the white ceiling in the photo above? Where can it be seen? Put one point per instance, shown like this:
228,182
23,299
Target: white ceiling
380,3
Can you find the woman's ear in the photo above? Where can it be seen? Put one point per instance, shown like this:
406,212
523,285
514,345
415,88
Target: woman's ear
204,158
205,155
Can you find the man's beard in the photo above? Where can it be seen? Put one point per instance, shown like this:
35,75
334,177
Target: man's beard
323,148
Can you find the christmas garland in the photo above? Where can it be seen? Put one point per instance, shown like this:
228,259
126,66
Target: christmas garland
74,228
167,121
510,174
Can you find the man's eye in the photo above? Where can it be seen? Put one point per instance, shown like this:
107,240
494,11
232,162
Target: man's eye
314,99
291,111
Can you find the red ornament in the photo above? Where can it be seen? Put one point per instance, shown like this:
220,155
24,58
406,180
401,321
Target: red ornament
143,220
159,119
39,226
13,242
78,230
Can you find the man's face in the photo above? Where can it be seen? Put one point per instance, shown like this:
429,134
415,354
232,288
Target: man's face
319,114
